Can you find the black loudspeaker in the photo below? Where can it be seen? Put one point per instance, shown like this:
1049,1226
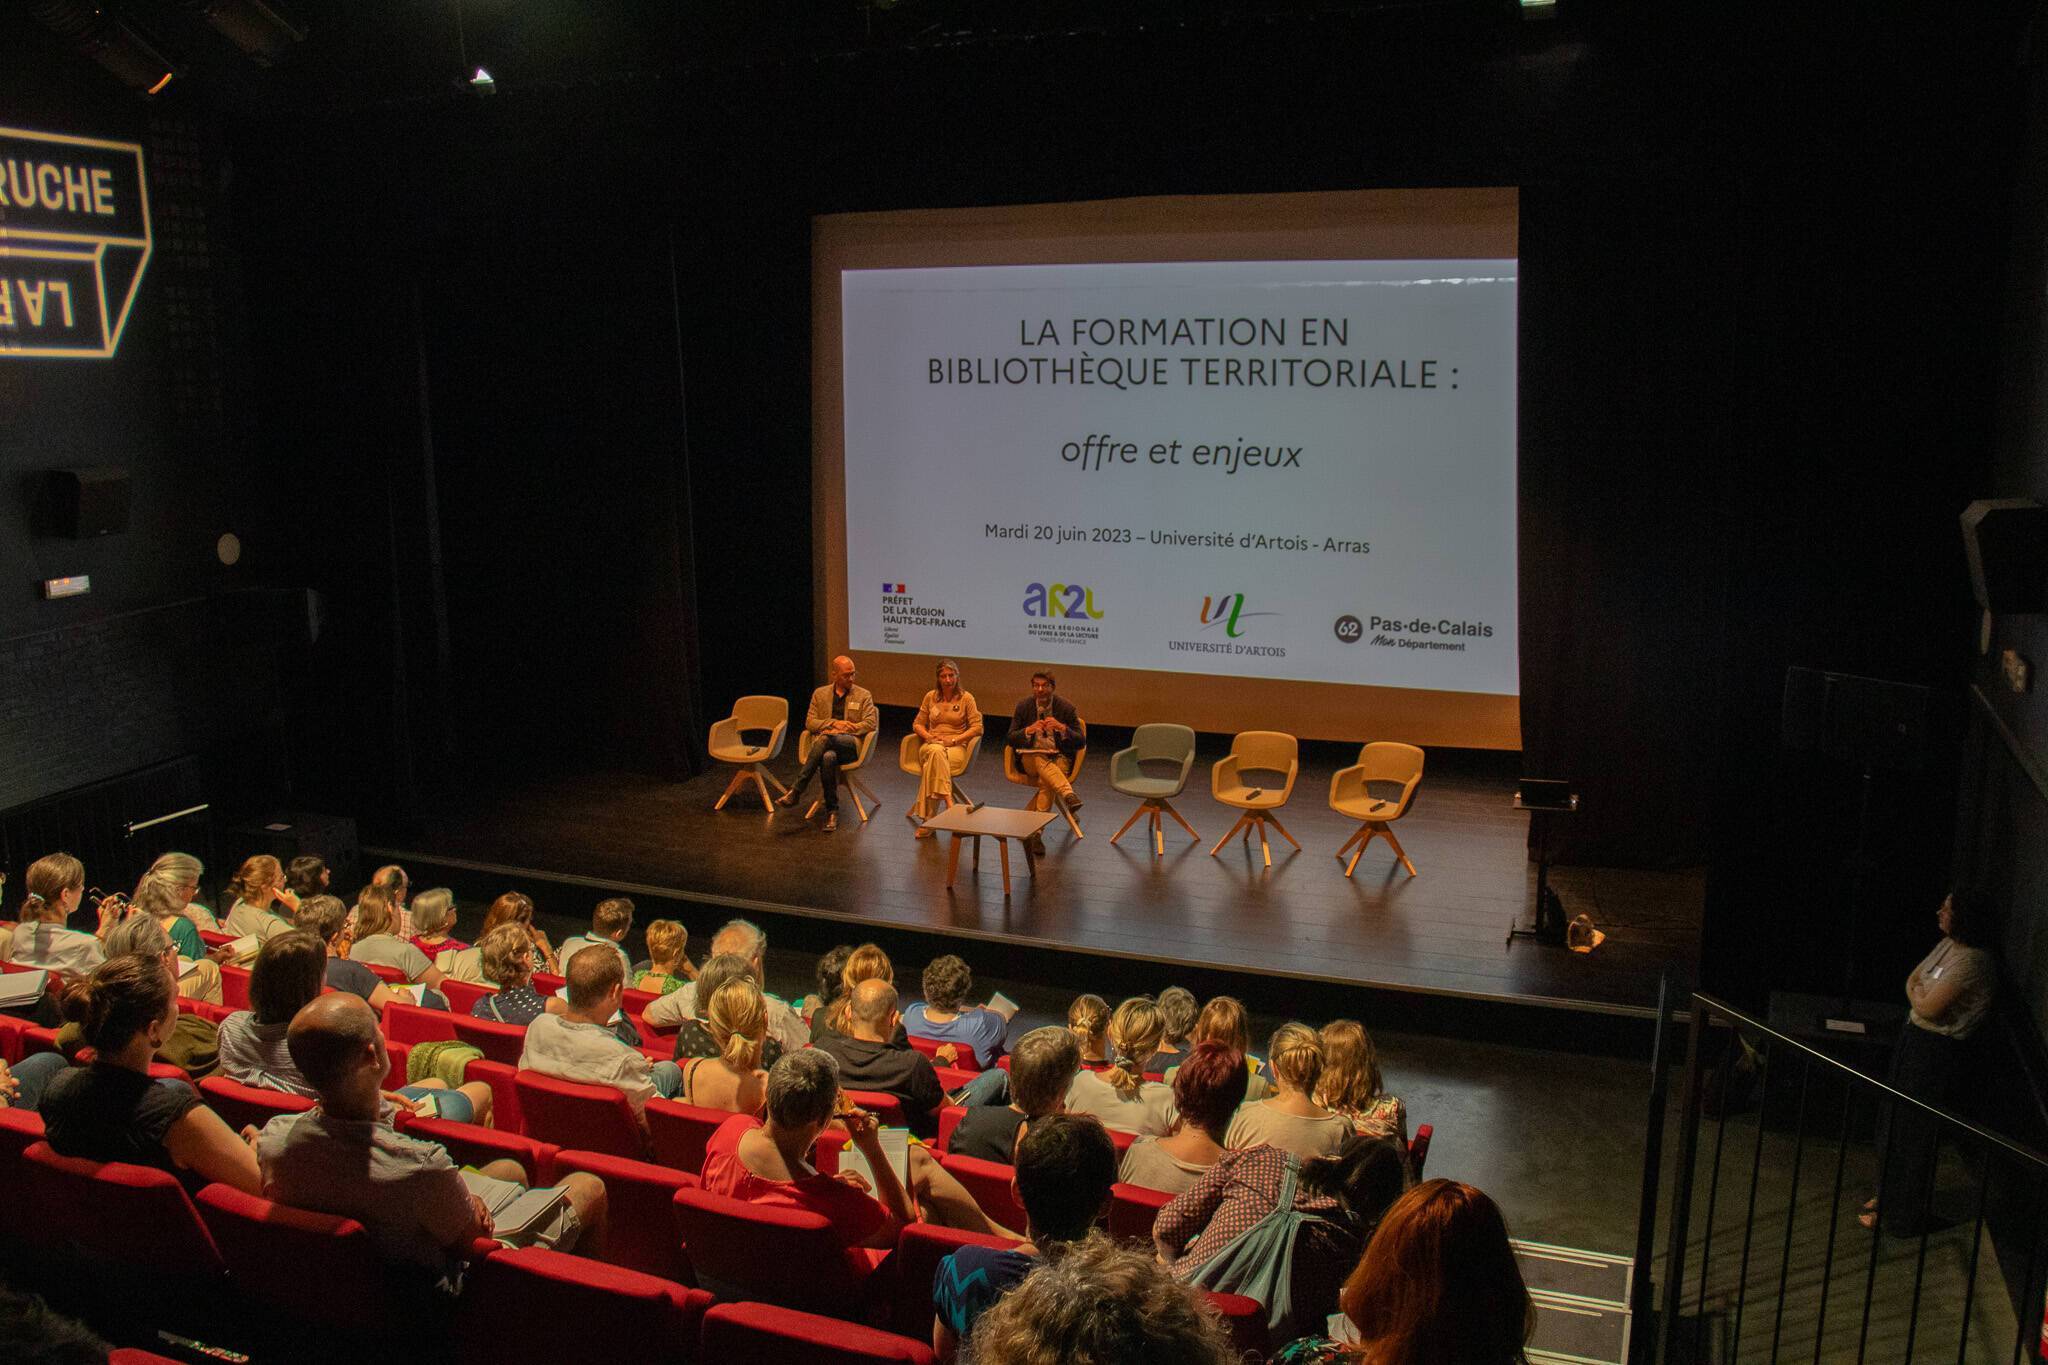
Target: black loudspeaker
2006,540
1868,722
84,503
285,836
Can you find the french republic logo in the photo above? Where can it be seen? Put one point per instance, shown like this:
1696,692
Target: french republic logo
74,240
900,610
894,590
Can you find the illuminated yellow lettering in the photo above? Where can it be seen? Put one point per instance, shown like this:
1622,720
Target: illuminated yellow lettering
50,186
62,289
77,190
103,192
7,304
32,300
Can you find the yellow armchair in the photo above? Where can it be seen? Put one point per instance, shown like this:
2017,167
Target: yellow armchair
728,744
1239,779
1386,764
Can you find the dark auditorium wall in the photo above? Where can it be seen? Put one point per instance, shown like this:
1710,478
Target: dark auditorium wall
171,654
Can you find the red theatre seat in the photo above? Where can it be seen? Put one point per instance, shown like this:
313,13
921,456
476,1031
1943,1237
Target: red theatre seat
239,1104
949,1119
1418,1149
405,1023
887,1109
545,1307
1246,1319
547,983
11,1029
962,1054
234,987
919,1249
640,1226
213,938
770,1254
275,1254
499,1042
989,1183
594,1118
463,995
679,1133
502,1080
132,1224
470,1144
391,976
1132,1211
761,1332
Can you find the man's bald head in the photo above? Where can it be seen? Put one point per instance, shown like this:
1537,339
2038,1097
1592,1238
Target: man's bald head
330,1038
842,670
873,1006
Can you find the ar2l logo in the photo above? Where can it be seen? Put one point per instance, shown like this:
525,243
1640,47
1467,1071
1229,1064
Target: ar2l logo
1055,600
1227,611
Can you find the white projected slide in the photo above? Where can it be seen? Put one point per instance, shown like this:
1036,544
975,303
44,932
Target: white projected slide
1262,469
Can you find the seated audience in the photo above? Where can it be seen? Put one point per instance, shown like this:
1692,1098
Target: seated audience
511,908
1121,1096
1042,1067
194,1043
112,1110
328,920
33,1333
159,899
1088,1017
734,1079
668,964
1351,1084
1438,1285
344,1158
610,922
183,872
865,963
1207,1089
307,875
288,975
1066,1166
507,955
768,1162
433,922
56,885
1101,1304
23,1083
944,1016
397,887
259,902
1290,1118
831,964
378,945
580,1045
1177,1010
694,1037
1223,1020
869,1059
744,938
1270,1210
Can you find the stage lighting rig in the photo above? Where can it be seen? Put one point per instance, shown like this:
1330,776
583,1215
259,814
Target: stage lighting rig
111,41
263,32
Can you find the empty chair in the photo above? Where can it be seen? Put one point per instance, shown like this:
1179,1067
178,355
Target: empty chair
1159,745
919,1249
595,1118
1376,791
1024,779
1133,1209
729,743
678,1133
470,1144
535,1305
908,758
761,1331
990,1184
274,1253
640,1217
240,1105
499,1042
504,1083
849,772
771,1254
1245,778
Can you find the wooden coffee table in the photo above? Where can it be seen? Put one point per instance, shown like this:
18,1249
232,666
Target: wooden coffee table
997,822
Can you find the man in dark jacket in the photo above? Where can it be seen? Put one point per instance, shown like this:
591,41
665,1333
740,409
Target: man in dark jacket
869,1059
1046,733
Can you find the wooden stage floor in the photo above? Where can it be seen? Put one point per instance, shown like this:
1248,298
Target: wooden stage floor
1441,932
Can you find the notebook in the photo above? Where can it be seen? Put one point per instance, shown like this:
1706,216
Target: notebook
1003,1005
22,988
895,1152
515,1210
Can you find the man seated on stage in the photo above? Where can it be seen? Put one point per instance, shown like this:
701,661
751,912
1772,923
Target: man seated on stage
869,1060
580,1045
1047,733
746,939
344,1158
841,713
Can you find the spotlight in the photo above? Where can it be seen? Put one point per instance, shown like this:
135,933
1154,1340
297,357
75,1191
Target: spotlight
481,84
112,42
263,32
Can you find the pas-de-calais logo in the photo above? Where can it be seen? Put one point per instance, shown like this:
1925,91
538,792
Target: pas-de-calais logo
1071,601
74,239
1228,611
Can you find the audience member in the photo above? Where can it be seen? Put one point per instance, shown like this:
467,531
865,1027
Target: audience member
511,908
1177,1010
378,944
1290,1118
734,1079
307,875
769,1162
1351,1083
507,955
746,939
1207,1089
433,922
1042,1067
157,898
668,962
392,881
1101,1304
259,902
184,872
23,1083
947,722
112,1109
193,1044
1088,1017
870,1059
581,1046
1066,1166
328,920
1121,1096
288,975
56,885
693,1037
865,963
944,1015
345,1159
610,922
1438,1285
1224,1020
32,1333
829,987
1286,1231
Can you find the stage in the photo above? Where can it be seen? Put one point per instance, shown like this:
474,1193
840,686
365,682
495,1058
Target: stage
1437,934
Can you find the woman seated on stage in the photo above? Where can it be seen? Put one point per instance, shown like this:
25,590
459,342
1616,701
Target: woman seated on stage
865,963
668,964
289,974
1351,1084
1223,1020
433,923
1290,1118
511,908
1207,1089
377,945
507,955
1088,1017
947,721
1121,1096
732,1080
769,1162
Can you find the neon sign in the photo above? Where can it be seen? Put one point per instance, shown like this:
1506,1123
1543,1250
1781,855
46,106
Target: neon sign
74,239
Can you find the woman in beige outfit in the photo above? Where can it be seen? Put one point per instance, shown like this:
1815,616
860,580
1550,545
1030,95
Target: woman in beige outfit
947,721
